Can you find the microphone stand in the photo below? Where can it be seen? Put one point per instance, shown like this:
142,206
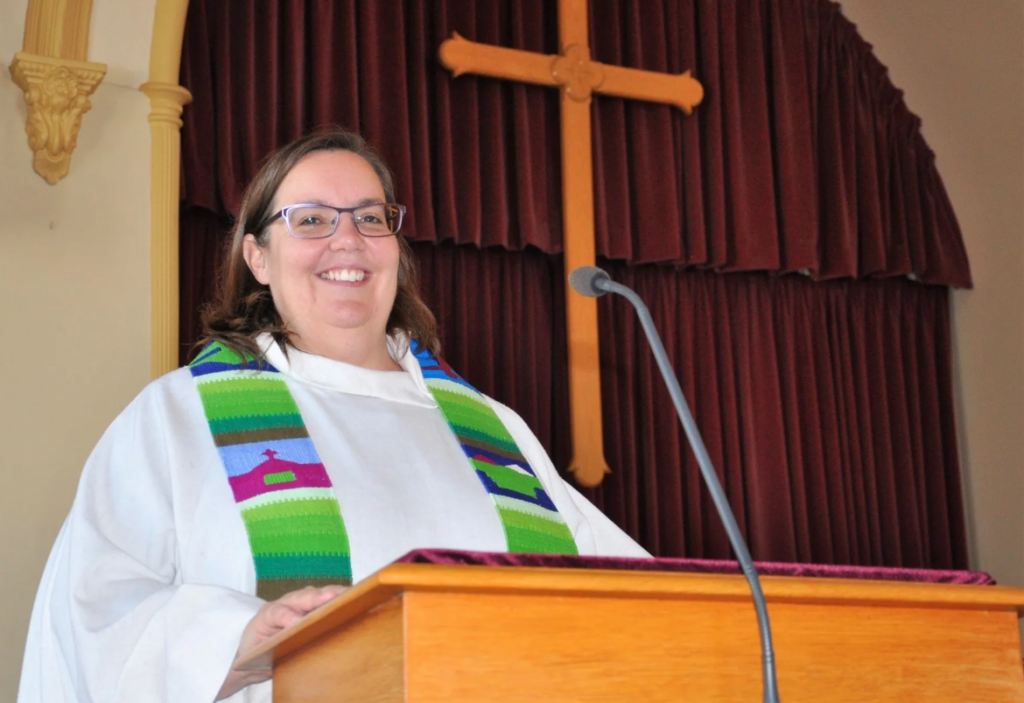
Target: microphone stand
599,283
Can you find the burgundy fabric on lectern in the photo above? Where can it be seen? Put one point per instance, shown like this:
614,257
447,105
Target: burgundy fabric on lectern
451,557
825,398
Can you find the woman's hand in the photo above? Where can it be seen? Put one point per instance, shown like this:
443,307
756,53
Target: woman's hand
268,621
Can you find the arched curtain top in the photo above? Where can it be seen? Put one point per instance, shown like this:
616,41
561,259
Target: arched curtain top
802,158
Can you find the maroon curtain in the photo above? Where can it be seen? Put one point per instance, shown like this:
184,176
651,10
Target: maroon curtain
826,407
826,404
803,155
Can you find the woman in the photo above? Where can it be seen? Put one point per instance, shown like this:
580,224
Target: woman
311,443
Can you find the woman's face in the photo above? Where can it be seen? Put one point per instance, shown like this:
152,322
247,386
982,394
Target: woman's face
305,275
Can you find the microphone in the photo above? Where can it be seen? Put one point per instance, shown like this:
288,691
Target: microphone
593,283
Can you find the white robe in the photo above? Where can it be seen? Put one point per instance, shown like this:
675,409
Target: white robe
151,580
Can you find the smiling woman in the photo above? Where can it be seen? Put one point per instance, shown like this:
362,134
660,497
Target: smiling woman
338,293
334,293
316,438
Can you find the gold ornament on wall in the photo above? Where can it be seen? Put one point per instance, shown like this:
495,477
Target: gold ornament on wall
57,95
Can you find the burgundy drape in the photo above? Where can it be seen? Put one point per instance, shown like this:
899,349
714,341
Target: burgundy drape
802,157
826,404
452,557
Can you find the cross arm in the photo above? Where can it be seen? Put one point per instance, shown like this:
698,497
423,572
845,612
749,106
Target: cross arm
680,89
460,55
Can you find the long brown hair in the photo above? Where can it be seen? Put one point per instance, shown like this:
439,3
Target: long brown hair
244,306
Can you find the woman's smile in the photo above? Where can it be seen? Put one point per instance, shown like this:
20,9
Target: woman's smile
345,275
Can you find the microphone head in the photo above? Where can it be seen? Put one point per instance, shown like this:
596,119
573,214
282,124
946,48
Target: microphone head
584,278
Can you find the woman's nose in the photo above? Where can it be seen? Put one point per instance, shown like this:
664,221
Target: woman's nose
346,236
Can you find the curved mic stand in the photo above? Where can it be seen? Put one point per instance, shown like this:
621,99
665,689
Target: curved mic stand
593,282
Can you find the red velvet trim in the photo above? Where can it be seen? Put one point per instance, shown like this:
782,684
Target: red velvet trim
700,566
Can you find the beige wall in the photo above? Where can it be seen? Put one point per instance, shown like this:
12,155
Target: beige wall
74,269
961,65
74,281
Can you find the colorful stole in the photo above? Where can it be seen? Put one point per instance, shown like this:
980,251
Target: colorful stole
287,502
532,522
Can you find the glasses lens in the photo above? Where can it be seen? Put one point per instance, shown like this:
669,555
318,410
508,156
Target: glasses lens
378,220
312,221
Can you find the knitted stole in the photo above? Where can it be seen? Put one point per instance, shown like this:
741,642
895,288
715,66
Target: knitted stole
287,502
532,522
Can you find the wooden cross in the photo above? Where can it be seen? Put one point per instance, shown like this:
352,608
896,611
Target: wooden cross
579,78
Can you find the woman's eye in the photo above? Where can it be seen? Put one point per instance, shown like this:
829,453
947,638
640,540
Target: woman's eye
309,221
371,219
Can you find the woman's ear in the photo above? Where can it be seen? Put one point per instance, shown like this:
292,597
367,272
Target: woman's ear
255,258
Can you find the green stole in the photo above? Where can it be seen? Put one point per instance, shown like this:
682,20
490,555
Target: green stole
287,502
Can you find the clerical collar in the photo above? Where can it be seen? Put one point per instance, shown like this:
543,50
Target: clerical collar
406,386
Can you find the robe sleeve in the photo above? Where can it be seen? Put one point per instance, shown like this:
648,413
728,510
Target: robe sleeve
115,619
595,534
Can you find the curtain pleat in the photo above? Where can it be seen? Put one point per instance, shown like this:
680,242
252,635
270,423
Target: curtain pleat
825,399
822,405
799,389
802,157
203,238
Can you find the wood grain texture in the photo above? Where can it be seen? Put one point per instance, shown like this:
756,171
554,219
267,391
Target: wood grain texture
577,77
573,23
588,464
681,90
512,634
460,55
497,647
663,584
365,596
363,662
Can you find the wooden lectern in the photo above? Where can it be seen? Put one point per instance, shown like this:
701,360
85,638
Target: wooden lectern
424,632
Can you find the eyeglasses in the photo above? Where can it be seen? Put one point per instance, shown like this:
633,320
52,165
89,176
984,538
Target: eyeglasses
308,221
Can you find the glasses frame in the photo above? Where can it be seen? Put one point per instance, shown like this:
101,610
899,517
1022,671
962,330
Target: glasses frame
282,214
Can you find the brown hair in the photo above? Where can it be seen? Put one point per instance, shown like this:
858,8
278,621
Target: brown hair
244,306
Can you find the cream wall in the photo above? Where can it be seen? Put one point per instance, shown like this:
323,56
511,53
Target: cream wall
74,281
961,65
74,269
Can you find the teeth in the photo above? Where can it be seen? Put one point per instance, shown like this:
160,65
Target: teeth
353,275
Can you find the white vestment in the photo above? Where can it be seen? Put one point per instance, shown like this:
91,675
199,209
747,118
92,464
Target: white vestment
151,580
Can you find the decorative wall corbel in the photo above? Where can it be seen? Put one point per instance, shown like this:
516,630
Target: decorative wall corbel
57,95
57,80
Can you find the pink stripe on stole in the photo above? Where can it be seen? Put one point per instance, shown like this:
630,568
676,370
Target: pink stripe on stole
252,484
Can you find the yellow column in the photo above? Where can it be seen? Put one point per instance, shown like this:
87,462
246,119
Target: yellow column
166,99
166,103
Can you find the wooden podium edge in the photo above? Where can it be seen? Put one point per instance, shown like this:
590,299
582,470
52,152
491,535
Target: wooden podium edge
393,580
